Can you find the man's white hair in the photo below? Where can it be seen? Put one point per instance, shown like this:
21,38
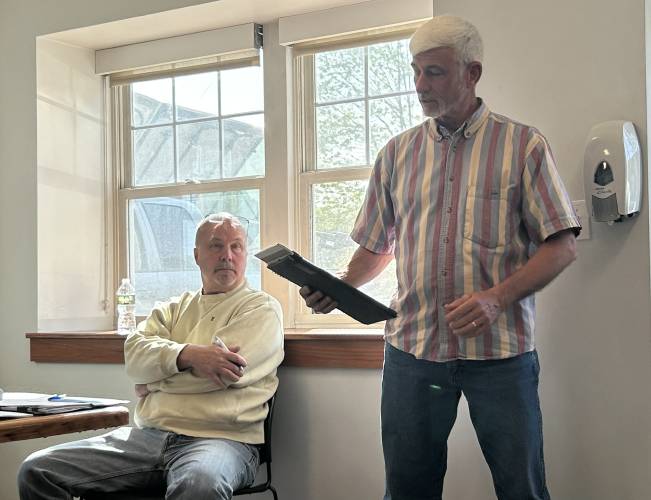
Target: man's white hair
449,31
220,218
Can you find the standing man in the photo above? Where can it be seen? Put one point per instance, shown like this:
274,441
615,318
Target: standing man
472,208
201,404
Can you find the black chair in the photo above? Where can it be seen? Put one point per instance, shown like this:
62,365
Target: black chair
265,458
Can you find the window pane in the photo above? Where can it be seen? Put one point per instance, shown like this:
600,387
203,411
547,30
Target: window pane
390,116
341,137
389,68
339,75
153,156
196,96
242,90
161,242
334,208
244,146
151,102
198,150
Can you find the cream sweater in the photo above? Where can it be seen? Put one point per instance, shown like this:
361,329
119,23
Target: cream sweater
186,404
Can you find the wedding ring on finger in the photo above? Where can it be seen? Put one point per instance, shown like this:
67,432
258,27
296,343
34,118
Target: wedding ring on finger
475,324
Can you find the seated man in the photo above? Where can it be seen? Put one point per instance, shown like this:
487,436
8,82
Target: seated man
204,366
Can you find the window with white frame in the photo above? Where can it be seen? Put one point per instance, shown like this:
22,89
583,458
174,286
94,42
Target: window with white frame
351,99
188,144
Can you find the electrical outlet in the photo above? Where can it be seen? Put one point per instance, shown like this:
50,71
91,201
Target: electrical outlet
582,213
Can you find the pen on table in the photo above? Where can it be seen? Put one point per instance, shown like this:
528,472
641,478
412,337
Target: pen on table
56,397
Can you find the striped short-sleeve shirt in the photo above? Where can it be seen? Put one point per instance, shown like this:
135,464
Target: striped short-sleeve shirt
461,212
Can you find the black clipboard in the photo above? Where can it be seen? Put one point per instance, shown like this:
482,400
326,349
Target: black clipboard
290,265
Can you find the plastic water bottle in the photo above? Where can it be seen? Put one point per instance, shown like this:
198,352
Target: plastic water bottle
126,306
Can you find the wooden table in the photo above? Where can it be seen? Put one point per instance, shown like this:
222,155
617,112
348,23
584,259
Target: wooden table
15,429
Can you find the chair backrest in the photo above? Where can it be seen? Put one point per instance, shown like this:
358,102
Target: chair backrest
265,449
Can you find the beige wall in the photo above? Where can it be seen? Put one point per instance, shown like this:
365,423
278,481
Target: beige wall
561,66
72,231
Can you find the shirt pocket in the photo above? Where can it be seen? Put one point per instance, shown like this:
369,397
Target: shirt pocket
486,219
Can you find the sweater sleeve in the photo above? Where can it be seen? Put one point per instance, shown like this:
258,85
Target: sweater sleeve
149,353
257,329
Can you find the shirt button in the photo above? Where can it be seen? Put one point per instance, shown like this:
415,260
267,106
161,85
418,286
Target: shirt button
444,273
449,210
451,179
445,240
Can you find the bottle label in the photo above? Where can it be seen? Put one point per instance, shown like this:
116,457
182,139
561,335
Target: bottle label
126,300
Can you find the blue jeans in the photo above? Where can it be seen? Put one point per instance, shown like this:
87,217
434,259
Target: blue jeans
132,459
419,407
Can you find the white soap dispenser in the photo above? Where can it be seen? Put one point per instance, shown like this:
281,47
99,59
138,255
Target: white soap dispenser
613,171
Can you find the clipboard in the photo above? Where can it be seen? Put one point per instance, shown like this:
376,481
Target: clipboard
291,266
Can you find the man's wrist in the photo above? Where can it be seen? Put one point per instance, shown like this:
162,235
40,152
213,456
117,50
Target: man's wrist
183,359
502,296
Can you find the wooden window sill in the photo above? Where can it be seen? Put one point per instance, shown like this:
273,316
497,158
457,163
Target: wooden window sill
314,348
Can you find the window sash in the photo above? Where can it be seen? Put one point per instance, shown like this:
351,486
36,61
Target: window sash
306,154
124,191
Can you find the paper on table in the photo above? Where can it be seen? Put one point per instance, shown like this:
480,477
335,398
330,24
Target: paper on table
13,414
44,404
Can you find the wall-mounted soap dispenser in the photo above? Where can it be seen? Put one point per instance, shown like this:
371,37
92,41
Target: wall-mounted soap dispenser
613,171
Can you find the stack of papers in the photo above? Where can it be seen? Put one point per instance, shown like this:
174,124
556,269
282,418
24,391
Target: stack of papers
17,404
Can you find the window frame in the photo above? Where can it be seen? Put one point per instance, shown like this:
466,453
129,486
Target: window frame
307,173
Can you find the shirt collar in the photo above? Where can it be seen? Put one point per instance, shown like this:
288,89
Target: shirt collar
467,128
212,297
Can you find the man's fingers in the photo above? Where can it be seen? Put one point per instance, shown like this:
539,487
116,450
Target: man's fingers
464,313
313,299
232,373
216,379
331,307
470,327
317,301
236,359
451,306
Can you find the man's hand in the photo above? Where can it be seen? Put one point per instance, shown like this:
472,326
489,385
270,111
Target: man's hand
320,303
212,362
141,390
364,265
472,315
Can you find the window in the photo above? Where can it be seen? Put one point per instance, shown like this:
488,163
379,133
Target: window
189,145
351,101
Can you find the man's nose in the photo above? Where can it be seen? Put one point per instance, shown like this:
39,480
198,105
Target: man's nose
421,84
226,254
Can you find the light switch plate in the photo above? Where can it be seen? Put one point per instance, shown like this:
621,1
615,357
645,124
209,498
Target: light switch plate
582,213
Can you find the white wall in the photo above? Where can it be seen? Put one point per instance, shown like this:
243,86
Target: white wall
564,66
71,222
548,64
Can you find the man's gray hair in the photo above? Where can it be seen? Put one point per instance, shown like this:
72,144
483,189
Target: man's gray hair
449,31
220,218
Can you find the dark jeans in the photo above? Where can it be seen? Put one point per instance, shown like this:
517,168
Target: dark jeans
419,407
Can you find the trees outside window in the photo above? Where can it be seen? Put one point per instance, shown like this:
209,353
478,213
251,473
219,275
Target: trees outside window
352,101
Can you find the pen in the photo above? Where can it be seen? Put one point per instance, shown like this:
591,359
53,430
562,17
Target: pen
56,397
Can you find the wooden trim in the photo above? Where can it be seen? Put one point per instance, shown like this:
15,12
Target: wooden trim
313,348
76,347
63,423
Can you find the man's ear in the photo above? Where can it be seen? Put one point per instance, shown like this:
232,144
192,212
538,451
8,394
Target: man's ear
473,73
196,256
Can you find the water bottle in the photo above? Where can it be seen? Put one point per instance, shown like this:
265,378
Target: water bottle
126,306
